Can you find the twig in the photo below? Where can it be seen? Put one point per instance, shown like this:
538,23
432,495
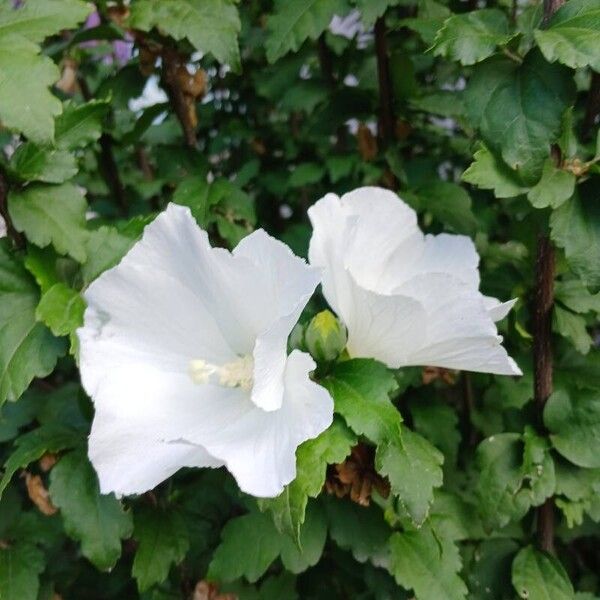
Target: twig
108,165
185,112
17,238
386,100
542,334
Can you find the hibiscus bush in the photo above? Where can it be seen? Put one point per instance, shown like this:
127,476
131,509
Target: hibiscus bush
299,299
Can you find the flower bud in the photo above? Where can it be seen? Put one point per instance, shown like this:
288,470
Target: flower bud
325,336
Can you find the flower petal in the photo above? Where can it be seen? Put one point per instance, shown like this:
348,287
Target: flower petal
496,309
259,447
130,460
290,284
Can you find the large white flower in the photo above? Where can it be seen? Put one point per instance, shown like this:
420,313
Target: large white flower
184,353
406,298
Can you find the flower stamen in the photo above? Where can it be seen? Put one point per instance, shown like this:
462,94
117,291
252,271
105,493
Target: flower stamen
237,373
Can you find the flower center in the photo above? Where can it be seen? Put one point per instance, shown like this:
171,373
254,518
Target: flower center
237,373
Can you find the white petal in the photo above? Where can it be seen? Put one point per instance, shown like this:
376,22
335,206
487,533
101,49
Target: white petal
458,332
2,228
290,283
259,447
496,309
129,460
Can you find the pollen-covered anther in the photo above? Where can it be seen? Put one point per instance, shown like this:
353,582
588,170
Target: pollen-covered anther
237,373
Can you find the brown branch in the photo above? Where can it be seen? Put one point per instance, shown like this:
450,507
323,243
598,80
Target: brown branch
545,268
107,163
183,104
386,100
17,238
592,109
542,364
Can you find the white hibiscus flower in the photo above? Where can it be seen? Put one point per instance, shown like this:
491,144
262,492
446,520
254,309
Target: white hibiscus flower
405,298
183,351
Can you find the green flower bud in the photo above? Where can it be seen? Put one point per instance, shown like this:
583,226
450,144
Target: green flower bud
325,336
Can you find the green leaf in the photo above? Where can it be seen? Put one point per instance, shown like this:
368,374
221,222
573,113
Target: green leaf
575,226
292,23
473,36
553,189
20,566
573,420
371,10
312,458
80,124
502,95
105,247
34,444
27,348
489,575
492,173
232,560
163,541
576,297
360,529
414,468
52,215
26,103
211,26
512,477
97,521
431,17
360,390
61,309
306,174
572,327
38,19
429,565
573,35
31,162
450,204
539,576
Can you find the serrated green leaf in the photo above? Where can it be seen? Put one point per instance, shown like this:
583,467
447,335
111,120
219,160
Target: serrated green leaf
473,36
502,95
450,204
32,445
20,567
39,19
61,309
105,247
553,189
27,348
163,541
491,173
232,560
360,529
312,458
576,297
26,103
80,124
292,23
427,564
211,26
572,327
575,226
489,575
371,10
306,174
360,389
431,17
573,419
52,215
539,576
31,162
97,521
510,480
414,468
572,36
